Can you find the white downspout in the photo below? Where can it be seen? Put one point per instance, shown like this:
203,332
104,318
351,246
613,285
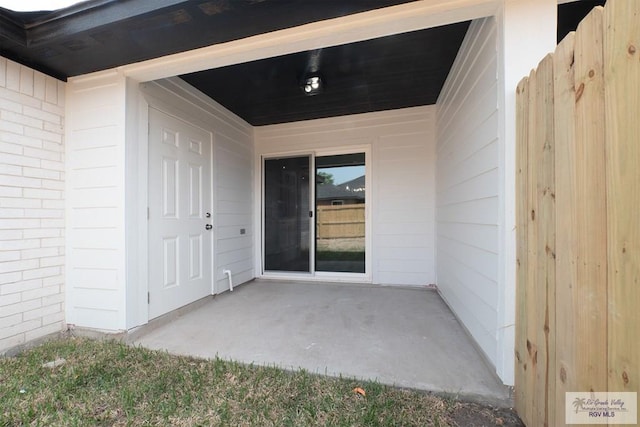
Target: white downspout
228,274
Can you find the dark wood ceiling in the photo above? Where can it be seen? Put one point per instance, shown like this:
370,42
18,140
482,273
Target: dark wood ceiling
392,72
403,70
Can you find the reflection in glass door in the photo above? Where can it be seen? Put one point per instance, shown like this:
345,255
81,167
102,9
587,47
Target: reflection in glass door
287,228
340,213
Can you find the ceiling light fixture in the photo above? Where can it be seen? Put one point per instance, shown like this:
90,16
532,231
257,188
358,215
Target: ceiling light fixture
312,85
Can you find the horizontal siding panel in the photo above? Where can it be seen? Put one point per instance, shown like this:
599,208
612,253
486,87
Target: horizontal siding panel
481,236
227,245
415,253
398,230
479,260
97,299
95,317
94,158
484,338
230,257
482,186
233,206
93,178
407,213
353,126
95,118
468,185
225,144
237,267
471,95
91,278
224,233
98,238
483,314
413,240
479,162
96,197
475,114
483,211
95,218
484,288
239,220
97,258
404,278
105,136
232,193
480,51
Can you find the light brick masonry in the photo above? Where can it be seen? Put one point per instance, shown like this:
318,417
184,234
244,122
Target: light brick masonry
31,205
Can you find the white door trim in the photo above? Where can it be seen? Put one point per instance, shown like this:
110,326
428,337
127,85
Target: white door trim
366,277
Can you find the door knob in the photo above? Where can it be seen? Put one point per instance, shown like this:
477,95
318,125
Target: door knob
208,226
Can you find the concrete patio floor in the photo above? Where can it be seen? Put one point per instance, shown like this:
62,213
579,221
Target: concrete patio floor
397,336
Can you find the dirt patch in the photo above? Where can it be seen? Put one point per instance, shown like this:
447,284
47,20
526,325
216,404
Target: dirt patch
474,415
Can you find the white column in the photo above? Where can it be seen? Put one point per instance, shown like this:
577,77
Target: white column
95,191
527,34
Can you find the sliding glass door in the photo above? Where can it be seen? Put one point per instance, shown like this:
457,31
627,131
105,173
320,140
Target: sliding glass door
314,214
287,216
340,213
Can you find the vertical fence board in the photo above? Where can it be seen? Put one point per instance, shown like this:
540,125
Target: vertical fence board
531,356
545,285
589,197
581,296
622,109
522,212
566,239
578,300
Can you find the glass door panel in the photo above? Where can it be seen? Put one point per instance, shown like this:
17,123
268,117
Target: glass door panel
340,213
287,233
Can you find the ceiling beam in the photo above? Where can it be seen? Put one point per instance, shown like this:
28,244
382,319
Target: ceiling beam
398,19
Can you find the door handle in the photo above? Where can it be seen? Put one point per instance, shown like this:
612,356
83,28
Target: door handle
208,226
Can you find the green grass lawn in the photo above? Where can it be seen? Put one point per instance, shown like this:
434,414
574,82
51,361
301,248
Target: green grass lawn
110,383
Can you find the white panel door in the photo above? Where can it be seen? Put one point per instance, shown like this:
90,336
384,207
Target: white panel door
180,235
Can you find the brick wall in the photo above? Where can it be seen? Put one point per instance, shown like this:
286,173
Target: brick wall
31,205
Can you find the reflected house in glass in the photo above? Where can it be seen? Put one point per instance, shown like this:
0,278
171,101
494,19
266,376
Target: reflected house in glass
348,193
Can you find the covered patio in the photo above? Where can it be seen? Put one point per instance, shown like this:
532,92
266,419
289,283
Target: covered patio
405,337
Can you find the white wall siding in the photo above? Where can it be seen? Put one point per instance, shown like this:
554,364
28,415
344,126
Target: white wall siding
402,169
468,186
232,175
96,201
31,205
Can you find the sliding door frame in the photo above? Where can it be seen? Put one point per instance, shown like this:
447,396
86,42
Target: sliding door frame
313,275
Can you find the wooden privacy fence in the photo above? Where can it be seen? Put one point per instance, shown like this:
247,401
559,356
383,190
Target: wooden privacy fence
578,217
340,221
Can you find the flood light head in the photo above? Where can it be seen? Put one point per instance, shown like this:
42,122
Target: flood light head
312,85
